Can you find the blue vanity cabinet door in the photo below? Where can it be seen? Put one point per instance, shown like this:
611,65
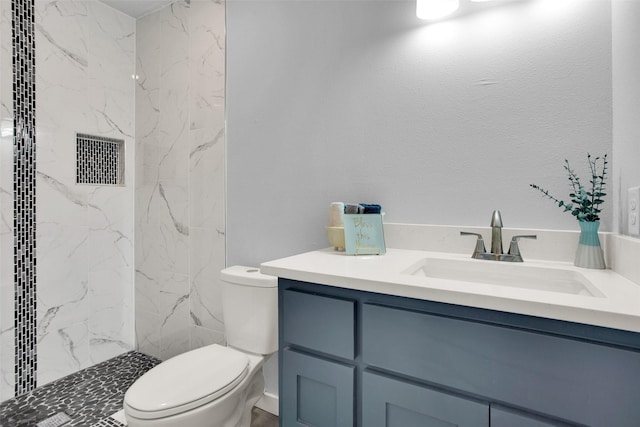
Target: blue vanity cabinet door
319,323
507,417
388,402
316,392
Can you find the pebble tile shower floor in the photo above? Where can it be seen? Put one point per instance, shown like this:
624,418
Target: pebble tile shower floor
89,397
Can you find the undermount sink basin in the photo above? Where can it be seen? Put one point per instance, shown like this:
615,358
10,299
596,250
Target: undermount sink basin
515,275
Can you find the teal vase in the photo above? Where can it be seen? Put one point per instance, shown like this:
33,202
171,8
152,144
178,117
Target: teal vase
589,253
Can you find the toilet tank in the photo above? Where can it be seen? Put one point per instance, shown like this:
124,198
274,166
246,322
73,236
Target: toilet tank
250,309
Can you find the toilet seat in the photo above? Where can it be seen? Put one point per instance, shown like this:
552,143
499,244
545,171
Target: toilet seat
187,381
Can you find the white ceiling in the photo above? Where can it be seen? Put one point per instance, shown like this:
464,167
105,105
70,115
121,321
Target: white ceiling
137,8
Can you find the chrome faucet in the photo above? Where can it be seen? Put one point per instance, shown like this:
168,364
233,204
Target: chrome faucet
496,254
496,233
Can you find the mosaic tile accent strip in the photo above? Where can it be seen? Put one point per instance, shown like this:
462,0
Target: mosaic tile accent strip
24,190
88,396
99,160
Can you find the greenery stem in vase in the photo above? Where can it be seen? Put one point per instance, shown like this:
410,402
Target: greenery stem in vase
586,206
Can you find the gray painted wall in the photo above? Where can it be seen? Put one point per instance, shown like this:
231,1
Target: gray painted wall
360,101
626,105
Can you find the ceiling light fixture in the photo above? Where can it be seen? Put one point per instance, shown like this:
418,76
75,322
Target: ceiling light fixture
435,9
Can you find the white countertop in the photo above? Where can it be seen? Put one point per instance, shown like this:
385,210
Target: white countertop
619,307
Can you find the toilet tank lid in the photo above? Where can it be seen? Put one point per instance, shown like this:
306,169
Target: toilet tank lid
248,276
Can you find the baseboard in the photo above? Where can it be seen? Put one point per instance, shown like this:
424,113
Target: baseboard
269,402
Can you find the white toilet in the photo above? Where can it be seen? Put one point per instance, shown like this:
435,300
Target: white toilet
215,386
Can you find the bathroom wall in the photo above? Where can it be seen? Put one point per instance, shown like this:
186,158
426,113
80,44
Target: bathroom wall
85,59
180,223
626,105
89,80
441,123
84,243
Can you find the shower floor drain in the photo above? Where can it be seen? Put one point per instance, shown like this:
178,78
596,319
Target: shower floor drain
54,421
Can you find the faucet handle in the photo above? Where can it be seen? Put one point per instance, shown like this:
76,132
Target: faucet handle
513,246
479,249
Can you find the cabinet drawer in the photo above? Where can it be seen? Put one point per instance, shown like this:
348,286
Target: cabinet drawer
568,379
503,417
316,392
388,402
319,323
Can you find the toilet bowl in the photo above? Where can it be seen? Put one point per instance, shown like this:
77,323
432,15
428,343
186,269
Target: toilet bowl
210,386
214,386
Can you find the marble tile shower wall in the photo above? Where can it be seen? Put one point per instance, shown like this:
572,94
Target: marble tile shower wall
85,59
7,293
180,222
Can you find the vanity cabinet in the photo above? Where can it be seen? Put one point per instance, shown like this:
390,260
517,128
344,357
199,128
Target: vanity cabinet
355,358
